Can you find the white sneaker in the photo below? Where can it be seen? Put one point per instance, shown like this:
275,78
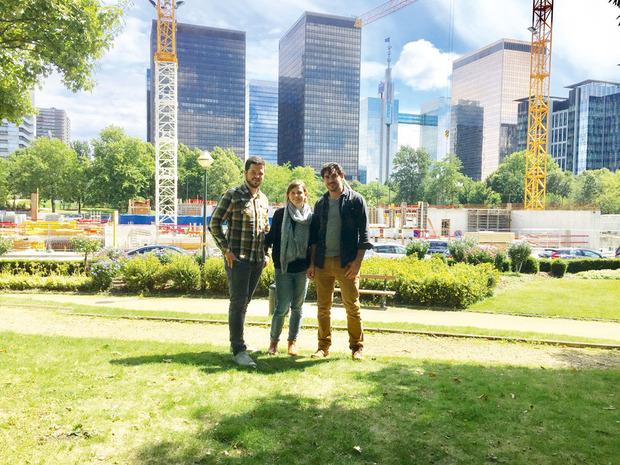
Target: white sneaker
243,359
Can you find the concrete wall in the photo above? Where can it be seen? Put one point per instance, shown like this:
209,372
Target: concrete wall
457,217
565,228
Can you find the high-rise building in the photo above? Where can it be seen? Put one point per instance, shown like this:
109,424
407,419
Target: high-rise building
371,158
211,87
318,93
263,120
436,139
495,77
413,127
53,123
466,136
584,133
14,137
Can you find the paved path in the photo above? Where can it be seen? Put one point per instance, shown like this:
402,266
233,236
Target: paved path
259,307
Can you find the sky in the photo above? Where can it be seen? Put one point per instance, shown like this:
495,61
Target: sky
585,46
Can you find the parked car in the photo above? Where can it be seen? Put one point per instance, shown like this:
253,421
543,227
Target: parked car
387,250
618,252
438,246
546,253
574,253
156,249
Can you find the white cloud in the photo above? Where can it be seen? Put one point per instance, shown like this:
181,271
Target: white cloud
424,67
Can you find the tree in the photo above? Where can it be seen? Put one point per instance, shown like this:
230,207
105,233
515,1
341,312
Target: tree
616,3
80,173
589,186
445,181
478,193
4,181
190,174
609,200
277,178
508,180
225,172
411,168
46,165
123,168
85,245
374,192
38,37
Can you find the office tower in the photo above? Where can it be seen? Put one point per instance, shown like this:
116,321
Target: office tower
211,87
436,139
466,136
495,77
14,137
318,93
372,160
263,120
53,123
585,127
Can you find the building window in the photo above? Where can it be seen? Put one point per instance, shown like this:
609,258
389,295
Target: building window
445,228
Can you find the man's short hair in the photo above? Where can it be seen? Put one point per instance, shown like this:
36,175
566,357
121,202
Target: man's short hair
253,160
333,167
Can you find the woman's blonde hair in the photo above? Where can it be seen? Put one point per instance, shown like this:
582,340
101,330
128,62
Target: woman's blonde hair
295,184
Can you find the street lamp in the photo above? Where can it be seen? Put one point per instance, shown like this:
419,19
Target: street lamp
204,160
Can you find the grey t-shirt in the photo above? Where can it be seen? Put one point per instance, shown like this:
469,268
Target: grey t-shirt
334,226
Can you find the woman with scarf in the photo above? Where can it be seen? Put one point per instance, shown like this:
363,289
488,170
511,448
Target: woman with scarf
289,235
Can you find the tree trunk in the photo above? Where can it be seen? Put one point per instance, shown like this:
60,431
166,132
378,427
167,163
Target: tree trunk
53,205
79,205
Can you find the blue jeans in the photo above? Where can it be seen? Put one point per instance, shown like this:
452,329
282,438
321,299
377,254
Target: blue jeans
242,282
290,293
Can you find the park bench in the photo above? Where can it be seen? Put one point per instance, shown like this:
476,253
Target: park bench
383,293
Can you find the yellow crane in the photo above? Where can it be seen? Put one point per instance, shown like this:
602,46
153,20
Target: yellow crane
538,106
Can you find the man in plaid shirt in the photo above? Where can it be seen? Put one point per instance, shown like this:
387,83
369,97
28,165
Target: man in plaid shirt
245,210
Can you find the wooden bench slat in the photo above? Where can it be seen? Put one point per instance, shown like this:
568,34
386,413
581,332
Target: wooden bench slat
387,277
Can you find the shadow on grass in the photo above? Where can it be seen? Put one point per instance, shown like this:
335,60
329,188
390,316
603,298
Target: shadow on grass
211,362
582,359
403,414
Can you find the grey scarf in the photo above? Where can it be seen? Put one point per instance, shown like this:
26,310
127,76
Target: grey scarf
294,244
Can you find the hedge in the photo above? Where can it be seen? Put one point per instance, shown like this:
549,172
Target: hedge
53,282
586,264
41,267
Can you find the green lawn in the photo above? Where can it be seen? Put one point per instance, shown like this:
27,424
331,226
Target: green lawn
369,326
567,297
74,401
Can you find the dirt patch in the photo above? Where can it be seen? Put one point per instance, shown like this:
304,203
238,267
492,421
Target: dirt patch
47,322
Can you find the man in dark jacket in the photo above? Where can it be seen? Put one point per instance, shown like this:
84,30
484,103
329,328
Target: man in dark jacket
338,239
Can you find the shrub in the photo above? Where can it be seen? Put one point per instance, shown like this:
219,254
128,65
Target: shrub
41,267
598,274
558,268
214,276
6,244
267,277
142,273
518,253
103,272
586,264
53,282
418,248
182,273
480,254
85,245
458,249
544,265
530,265
502,262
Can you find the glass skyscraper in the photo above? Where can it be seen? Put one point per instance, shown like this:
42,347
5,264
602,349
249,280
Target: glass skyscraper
466,136
585,127
263,120
318,93
494,76
370,161
211,87
434,139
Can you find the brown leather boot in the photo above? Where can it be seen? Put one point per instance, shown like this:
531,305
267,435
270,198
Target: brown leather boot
273,348
292,349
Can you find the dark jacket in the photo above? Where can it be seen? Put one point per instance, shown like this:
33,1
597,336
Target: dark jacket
274,239
354,233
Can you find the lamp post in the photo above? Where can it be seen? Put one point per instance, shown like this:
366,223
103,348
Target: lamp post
204,160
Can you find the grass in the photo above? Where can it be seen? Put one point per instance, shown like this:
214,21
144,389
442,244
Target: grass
122,312
74,401
566,297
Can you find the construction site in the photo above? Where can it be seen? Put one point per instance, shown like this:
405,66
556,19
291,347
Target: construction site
181,223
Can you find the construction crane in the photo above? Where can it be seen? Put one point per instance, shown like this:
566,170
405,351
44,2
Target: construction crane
165,112
538,105
379,12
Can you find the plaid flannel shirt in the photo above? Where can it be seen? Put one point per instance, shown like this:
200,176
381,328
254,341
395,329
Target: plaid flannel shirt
247,217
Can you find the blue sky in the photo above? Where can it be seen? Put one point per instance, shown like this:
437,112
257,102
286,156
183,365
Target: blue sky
585,46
